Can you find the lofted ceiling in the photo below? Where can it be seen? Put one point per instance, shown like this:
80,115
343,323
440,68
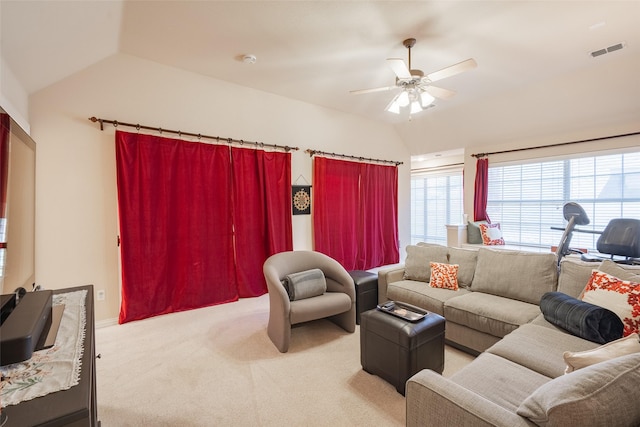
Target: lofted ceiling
534,67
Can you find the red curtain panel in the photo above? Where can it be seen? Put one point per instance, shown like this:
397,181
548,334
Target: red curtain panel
355,212
481,190
175,212
4,161
261,214
336,209
379,204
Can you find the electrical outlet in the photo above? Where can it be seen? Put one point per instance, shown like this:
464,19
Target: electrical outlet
100,295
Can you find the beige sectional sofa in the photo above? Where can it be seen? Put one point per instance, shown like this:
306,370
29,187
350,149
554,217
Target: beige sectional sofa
518,377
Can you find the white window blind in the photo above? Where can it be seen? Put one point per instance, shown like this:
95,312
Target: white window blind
436,200
527,199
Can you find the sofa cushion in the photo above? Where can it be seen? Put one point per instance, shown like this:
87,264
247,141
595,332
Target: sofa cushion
574,276
580,359
582,319
620,296
621,271
418,259
422,295
502,273
499,380
488,313
466,260
444,276
604,394
575,273
540,348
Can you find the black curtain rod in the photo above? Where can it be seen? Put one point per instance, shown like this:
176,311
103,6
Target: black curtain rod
478,155
346,156
180,133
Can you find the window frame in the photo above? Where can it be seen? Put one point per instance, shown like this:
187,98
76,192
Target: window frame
597,224
447,171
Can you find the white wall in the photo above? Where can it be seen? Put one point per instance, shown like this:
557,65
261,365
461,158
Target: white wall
13,97
76,219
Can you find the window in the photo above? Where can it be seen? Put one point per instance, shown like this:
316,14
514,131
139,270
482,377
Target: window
527,199
436,201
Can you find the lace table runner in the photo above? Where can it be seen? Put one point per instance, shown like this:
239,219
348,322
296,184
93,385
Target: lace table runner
53,369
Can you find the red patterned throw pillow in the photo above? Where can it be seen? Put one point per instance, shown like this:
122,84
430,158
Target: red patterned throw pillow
620,296
444,276
491,234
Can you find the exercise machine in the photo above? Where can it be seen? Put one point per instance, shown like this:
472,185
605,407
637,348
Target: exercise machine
620,239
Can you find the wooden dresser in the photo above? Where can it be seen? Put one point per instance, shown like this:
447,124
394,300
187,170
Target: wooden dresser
74,407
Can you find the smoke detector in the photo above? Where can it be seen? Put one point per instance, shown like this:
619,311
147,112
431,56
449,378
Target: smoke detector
249,59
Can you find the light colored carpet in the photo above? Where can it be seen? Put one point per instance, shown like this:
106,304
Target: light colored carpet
217,366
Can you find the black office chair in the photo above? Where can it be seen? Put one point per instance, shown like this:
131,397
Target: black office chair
621,237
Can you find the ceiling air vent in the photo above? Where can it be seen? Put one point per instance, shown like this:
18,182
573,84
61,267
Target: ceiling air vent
609,49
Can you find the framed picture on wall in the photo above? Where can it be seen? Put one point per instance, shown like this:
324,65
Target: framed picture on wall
301,199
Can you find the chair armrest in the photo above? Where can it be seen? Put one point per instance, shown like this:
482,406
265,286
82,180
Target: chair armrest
278,297
387,276
338,279
432,400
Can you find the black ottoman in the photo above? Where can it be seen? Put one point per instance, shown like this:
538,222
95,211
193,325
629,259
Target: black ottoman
366,291
395,349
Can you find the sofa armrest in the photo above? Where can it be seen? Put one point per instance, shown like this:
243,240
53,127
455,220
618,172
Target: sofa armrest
433,400
387,276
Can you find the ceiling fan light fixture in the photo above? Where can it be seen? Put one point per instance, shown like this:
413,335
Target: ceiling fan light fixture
426,99
415,87
394,106
403,99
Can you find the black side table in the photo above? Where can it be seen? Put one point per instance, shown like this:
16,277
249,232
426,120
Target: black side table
366,291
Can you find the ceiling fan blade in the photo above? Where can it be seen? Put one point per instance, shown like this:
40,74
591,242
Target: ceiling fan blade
377,89
399,68
452,70
438,92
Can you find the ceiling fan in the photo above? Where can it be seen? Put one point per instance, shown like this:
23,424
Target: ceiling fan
416,89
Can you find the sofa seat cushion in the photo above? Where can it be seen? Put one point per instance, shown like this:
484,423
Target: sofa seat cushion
488,313
540,348
524,276
422,295
541,321
325,305
499,380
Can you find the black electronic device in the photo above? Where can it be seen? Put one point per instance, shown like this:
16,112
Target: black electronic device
7,304
25,326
